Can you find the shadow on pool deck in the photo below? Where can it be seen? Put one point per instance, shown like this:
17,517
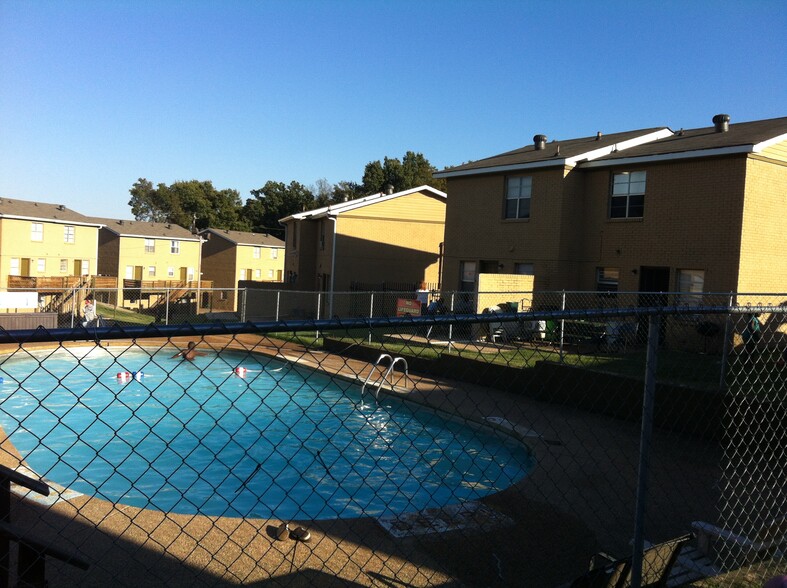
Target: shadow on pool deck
578,499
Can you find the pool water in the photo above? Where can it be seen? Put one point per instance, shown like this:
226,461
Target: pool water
280,442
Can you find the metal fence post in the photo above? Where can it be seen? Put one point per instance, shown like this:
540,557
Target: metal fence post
319,298
243,306
451,326
278,302
646,434
371,314
166,306
727,343
562,324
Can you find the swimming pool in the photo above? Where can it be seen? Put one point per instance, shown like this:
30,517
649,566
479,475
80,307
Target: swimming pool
280,442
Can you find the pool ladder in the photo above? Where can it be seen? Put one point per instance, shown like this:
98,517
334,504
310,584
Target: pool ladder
386,376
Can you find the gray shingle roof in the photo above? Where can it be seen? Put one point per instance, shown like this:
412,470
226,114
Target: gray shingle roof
706,138
134,228
554,153
246,238
11,207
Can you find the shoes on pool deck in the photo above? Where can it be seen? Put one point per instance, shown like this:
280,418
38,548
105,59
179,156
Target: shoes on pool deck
300,534
281,531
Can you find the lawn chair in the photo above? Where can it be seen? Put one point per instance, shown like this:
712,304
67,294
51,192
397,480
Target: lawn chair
732,549
657,561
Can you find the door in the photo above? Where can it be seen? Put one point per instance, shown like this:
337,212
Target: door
653,287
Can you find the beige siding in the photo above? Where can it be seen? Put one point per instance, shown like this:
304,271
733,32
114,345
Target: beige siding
413,207
778,151
763,262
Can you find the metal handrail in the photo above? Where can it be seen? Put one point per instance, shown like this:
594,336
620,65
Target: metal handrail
385,377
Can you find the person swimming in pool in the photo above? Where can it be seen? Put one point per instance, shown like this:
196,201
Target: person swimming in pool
189,353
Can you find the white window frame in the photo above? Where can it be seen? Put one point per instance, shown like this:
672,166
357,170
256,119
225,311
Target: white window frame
607,280
256,252
691,284
258,274
63,266
174,247
85,267
519,190
15,267
150,245
170,272
628,187
274,253
152,271
524,269
69,234
270,274
41,265
37,232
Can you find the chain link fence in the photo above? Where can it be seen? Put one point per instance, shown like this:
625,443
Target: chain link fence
492,448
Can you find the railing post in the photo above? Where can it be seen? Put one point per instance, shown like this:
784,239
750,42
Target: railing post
319,298
646,434
371,314
278,302
726,344
451,326
243,305
166,305
562,324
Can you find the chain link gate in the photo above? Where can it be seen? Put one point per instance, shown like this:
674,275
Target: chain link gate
493,449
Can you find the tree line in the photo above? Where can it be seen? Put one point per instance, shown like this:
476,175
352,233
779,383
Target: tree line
198,204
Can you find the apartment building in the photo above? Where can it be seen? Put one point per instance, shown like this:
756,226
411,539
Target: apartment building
650,210
231,256
385,237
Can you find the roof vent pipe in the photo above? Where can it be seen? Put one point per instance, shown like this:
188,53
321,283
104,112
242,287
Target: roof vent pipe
599,135
721,123
540,142
389,189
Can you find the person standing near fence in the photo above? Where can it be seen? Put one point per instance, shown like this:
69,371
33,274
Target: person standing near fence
753,332
89,312
422,295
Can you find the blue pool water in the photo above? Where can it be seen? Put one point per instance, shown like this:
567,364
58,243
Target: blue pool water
279,442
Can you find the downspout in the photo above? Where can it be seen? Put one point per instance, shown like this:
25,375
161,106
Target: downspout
333,267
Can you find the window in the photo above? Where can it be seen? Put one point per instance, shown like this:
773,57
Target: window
257,274
256,253
525,269
242,274
152,270
174,247
85,267
518,197
36,231
170,272
628,195
274,254
150,245
63,266
41,265
467,269
690,284
270,274
68,234
607,279
14,270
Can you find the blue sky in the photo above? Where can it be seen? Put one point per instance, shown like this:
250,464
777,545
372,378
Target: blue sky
94,95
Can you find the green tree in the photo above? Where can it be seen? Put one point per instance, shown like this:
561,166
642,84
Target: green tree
412,171
191,204
274,201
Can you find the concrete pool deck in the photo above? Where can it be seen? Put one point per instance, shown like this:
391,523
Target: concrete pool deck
579,499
